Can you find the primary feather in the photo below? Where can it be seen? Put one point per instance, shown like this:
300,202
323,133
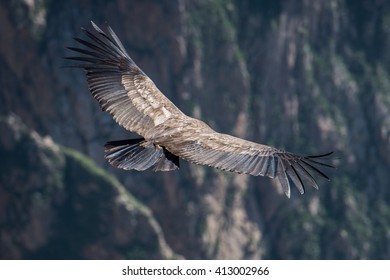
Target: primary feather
133,100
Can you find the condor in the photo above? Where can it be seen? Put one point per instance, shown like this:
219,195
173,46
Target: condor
133,100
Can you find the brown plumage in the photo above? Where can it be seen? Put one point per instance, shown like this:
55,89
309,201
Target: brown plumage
132,99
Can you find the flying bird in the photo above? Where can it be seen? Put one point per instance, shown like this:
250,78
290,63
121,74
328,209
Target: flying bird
133,100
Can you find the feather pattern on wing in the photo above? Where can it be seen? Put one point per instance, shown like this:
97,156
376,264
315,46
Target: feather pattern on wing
119,85
230,153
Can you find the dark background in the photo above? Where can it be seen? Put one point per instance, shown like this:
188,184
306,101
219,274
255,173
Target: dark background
306,76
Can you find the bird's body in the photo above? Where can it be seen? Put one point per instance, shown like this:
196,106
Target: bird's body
132,99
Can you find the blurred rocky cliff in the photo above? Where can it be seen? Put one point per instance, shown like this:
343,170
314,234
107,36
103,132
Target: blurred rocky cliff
305,76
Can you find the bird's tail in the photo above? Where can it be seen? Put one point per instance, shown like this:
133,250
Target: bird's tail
140,155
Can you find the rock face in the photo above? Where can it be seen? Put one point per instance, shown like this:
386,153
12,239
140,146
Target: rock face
57,204
307,76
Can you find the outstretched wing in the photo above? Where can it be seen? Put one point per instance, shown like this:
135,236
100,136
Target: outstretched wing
119,85
230,153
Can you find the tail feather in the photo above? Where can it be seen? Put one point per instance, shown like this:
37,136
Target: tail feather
140,155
